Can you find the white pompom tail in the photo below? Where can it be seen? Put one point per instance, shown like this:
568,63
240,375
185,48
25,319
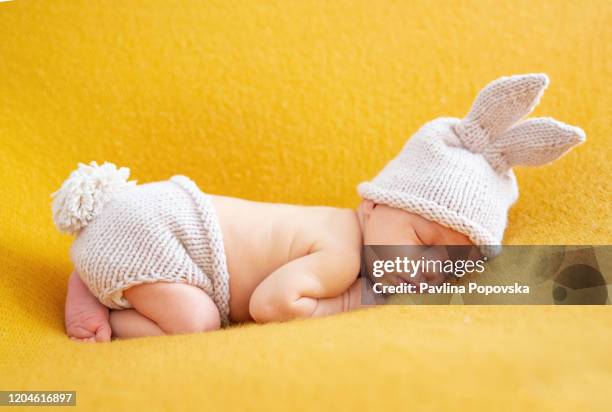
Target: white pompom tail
84,194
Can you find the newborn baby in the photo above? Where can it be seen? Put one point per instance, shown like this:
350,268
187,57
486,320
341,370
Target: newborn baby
167,258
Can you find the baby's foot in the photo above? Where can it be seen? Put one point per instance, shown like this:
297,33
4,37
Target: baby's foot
86,318
88,324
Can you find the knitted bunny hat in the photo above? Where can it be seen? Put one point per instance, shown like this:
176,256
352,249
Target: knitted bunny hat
458,172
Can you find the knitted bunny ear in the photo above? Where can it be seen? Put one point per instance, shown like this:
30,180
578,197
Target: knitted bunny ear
534,142
498,107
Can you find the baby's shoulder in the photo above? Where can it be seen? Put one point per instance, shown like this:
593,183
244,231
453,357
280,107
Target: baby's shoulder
338,242
335,229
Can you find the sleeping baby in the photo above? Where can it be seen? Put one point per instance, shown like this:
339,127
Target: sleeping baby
166,258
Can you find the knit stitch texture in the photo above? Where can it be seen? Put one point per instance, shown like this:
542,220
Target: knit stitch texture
458,172
163,231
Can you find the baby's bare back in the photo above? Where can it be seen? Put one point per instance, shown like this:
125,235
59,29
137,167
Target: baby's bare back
260,238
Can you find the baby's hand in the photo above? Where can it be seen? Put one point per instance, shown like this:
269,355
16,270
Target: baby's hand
86,318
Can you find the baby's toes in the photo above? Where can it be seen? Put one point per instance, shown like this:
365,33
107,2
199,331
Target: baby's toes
103,334
79,332
90,339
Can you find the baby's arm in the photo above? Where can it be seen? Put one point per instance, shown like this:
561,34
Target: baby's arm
318,284
86,318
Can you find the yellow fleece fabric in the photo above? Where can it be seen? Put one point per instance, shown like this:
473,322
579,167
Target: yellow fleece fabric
297,102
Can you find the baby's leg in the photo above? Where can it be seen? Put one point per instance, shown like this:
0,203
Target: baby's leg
165,308
128,323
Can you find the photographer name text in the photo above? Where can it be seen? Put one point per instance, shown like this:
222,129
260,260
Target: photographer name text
446,288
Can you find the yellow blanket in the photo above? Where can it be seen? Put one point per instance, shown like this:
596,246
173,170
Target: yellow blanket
296,101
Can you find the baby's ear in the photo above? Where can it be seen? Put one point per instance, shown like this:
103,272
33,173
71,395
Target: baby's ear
500,105
534,142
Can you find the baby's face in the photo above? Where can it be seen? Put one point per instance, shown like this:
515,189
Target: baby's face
384,225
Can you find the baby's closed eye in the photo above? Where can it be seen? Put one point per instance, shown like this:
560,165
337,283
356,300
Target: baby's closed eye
422,238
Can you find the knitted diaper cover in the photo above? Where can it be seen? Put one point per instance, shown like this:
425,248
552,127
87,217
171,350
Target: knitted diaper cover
163,231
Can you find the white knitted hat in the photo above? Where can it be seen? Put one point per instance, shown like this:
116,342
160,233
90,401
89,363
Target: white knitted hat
458,172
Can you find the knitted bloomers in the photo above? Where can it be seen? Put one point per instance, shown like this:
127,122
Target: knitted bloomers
129,235
458,172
